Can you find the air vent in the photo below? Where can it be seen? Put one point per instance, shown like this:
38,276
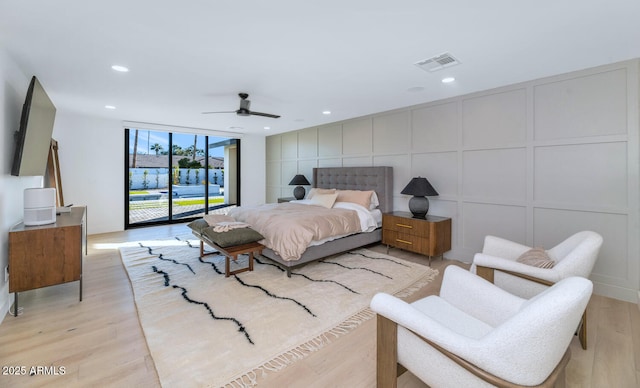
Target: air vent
436,63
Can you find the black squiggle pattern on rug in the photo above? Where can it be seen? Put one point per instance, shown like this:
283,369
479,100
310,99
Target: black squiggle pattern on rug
378,258
184,292
161,272
307,277
171,260
362,268
274,296
215,267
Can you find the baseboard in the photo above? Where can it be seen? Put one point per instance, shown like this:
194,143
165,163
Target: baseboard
7,301
615,292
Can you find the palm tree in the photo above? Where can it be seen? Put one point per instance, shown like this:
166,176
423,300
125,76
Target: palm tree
157,148
190,151
135,150
195,145
177,150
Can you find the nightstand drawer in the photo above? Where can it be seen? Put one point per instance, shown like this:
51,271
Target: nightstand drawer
405,241
405,225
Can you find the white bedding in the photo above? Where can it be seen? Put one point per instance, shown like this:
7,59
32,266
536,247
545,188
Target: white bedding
290,228
370,220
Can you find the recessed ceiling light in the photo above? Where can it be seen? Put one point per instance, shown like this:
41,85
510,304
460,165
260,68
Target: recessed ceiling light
267,127
326,112
119,68
109,107
448,80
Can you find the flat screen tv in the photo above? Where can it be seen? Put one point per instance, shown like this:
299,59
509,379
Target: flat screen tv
33,139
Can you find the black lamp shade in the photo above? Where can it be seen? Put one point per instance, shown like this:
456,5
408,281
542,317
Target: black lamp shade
420,188
299,180
299,191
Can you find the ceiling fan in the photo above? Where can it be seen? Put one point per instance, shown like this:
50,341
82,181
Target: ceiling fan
244,109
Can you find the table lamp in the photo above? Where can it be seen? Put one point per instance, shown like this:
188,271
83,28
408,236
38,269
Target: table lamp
299,191
419,187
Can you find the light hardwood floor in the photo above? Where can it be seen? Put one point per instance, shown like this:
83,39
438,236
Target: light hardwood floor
99,341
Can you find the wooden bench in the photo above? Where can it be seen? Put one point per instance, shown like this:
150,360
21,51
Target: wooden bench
232,253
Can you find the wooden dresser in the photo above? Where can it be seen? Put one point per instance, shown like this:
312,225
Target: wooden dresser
429,237
46,255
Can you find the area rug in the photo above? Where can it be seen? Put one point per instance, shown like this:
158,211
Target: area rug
203,329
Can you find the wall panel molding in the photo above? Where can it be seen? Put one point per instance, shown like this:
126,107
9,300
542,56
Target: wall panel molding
533,162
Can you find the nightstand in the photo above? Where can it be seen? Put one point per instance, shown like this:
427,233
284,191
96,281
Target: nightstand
429,237
286,199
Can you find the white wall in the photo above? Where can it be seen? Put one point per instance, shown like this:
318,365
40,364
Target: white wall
91,153
532,162
13,89
253,180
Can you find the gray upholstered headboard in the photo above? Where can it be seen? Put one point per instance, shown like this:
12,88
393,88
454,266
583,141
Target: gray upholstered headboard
379,179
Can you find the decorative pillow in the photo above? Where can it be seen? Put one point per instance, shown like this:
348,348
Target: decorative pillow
374,201
324,200
232,237
317,190
360,197
198,225
536,257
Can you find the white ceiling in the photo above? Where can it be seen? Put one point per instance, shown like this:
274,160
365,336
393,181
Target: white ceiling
297,58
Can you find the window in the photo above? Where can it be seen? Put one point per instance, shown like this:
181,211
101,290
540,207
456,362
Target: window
178,177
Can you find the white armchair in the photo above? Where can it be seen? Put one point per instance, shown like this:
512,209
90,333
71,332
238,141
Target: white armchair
575,256
477,335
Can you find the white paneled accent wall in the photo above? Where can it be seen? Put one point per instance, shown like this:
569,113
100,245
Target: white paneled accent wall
532,162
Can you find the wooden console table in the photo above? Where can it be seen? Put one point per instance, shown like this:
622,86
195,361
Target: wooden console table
429,237
46,255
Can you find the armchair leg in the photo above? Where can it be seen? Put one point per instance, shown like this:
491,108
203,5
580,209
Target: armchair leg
386,353
582,331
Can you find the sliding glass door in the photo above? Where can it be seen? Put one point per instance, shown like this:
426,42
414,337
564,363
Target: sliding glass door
177,177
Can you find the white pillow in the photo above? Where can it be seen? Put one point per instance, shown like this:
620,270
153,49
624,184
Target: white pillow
374,201
324,200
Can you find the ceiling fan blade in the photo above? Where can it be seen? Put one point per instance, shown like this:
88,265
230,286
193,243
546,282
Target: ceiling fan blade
264,114
228,111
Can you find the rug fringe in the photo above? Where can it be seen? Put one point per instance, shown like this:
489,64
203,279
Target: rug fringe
278,363
418,284
249,379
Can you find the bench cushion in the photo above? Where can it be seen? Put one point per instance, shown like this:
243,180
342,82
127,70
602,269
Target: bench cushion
232,237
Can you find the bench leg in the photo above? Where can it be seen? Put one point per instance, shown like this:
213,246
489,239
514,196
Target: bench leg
227,264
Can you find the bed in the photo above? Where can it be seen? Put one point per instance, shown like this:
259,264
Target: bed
378,179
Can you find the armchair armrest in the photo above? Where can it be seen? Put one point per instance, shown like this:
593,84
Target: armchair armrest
546,276
500,247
